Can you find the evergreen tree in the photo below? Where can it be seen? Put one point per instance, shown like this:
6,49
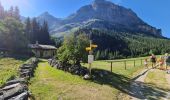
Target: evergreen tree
11,12
2,12
35,31
16,13
28,30
45,33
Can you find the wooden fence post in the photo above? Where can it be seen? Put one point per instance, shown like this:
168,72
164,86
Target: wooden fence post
125,64
111,66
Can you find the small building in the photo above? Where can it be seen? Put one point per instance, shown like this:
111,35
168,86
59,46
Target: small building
43,51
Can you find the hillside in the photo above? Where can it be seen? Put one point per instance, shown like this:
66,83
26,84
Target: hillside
118,31
101,14
112,45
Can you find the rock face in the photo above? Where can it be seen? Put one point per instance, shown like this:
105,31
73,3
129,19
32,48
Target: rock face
101,14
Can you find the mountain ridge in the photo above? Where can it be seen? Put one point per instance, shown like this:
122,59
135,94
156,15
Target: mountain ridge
101,14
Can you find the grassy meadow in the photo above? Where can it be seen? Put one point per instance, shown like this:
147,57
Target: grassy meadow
8,68
52,84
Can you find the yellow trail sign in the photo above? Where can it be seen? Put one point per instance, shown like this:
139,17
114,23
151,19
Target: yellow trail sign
94,46
88,49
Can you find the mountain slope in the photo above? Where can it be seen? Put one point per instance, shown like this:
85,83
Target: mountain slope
105,15
52,21
113,44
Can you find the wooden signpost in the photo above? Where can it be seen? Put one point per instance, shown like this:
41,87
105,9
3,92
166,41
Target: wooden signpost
90,56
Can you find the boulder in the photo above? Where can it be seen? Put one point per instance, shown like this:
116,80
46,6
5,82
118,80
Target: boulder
22,96
13,92
87,77
19,80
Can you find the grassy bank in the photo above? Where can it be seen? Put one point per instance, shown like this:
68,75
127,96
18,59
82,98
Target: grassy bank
8,68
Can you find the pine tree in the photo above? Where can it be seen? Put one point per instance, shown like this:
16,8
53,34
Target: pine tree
11,11
45,33
35,31
2,12
28,32
16,13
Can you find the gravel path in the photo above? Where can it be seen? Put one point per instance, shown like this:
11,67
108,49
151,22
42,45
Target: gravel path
138,84
168,80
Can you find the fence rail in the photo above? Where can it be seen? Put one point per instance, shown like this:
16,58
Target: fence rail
125,62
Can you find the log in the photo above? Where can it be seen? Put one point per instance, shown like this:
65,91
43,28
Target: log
20,80
22,96
26,70
13,92
27,67
10,86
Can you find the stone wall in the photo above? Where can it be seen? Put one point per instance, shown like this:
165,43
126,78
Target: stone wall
17,89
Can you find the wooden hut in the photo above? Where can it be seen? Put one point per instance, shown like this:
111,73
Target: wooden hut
43,51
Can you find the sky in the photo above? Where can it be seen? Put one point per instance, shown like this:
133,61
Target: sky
154,12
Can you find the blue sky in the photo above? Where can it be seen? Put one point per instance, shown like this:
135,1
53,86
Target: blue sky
154,12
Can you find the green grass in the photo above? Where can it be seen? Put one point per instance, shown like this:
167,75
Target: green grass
157,77
8,69
157,85
118,67
53,84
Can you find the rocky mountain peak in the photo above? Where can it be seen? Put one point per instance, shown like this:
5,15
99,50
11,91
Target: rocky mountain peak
99,1
102,14
45,14
102,3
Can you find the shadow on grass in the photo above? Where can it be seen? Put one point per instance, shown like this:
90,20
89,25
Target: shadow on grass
18,57
126,85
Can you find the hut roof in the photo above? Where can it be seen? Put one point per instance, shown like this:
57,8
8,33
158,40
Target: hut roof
40,46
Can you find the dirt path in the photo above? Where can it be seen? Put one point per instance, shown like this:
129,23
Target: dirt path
168,80
138,85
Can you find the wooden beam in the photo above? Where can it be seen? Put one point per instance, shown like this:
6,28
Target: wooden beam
111,66
125,64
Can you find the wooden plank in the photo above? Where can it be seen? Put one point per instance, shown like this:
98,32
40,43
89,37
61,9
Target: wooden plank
125,64
111,66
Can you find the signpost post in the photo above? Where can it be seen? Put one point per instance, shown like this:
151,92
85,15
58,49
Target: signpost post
90,56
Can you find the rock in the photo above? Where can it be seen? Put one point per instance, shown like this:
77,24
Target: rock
86,77
168,71
101,74
73,69
22,96
10,86
105,72
20,80
13,92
